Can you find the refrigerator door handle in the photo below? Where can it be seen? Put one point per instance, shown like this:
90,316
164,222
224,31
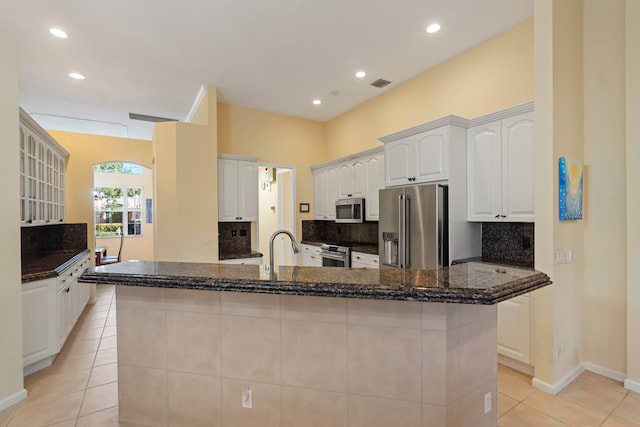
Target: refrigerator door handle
404,231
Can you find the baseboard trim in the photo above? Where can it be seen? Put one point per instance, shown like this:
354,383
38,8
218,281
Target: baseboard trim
36,366
632,385
605,372
13,399
516,364
559,385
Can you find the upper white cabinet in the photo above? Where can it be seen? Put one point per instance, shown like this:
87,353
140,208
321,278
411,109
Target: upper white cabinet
423,157
375,182
325,192
237,188
358,175
500,168
42,175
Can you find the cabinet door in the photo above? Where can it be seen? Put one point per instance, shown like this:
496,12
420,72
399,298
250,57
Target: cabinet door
359,178
332,192
375,182
247,191
228,190
320,194
38,321
484,176
432,156
345,181
399,162
514,323
517,168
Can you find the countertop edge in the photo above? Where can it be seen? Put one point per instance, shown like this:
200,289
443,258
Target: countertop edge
56,271
484,296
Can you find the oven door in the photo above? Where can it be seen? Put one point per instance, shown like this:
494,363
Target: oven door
333,259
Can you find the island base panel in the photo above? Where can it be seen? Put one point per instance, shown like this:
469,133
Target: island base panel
186,356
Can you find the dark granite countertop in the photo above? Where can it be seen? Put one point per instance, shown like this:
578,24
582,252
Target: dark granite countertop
45,266
242,255
468,283
491,260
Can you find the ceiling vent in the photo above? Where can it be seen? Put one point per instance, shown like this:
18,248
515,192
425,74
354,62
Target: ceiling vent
153,119
380,83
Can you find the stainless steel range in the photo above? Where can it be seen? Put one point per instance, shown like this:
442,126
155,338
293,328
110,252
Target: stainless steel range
335,256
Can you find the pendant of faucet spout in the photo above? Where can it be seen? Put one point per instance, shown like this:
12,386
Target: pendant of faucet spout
294,245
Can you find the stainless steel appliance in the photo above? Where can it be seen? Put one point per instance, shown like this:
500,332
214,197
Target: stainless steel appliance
335,256
413,228
350,211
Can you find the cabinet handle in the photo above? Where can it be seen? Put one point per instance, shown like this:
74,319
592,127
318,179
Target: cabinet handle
67,290
503,216
497,216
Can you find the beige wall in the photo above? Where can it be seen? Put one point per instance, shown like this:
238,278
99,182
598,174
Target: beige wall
489,77
632,57
134,247
11,385
85,152
605,186
186,189
274,138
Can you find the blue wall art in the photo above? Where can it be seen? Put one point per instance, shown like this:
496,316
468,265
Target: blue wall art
571,177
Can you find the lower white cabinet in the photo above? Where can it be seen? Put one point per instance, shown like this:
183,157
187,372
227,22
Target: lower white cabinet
50,310
362,260
514,328
310,255
250,261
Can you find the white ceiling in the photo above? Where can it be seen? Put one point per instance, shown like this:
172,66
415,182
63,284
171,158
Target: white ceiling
152,57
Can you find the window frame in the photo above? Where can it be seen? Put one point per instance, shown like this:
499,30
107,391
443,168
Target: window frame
125,211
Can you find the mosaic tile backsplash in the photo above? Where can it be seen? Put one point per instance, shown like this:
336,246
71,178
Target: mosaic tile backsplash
510,241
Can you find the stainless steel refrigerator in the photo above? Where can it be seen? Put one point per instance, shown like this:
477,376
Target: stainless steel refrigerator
413,228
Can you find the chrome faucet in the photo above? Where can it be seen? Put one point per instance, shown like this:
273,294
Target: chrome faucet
294,246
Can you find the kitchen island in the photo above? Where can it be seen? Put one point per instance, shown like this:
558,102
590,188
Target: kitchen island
309,345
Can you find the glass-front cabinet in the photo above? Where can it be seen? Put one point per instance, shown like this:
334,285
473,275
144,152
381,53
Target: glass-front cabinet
42,180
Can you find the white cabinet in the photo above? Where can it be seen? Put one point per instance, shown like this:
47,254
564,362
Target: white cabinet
237,189
419,158
325,183
39,320
362,260
310,255
514,328
42,175
352,179
50,310
357,175
375,182
500,170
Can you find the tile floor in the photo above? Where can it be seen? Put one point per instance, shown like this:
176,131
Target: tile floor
81,389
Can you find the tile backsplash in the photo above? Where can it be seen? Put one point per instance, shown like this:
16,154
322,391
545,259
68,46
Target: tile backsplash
509,241
53,238
330,232
234,238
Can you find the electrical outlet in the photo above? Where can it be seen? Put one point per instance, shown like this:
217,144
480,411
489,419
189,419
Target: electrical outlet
487,403
247,397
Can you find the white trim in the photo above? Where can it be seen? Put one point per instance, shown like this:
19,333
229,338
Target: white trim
558,385
353,156
515,364
29,122
39,365
502,114
605,372
238,157
632,385
196,103
444,121
13,399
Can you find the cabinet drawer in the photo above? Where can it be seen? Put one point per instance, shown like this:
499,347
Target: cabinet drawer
359,260
310,249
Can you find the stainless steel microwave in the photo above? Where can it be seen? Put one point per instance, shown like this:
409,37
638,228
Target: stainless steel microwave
350,210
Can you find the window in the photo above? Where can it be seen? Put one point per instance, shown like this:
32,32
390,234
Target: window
118,210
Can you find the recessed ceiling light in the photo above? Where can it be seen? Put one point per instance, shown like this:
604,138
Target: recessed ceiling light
76,76
58,33
360,74
317,102
433,28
